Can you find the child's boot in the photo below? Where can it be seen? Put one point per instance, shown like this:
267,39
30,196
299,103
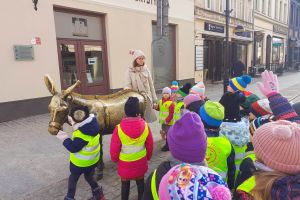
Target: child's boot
165,147
97,194
68,198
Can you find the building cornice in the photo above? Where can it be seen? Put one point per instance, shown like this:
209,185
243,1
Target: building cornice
269,19
204,14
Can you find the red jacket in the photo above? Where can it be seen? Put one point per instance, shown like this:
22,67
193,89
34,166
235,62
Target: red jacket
133,127
171,109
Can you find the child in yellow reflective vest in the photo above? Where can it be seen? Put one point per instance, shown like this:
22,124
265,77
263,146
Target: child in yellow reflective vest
166,109
131,147
84,150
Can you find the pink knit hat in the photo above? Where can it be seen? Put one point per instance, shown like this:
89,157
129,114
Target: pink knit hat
190,99
277,145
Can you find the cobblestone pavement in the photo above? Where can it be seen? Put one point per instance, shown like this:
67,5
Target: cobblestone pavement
39,168
111,182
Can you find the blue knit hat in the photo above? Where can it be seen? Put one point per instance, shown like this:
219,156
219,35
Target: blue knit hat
240,83
212,114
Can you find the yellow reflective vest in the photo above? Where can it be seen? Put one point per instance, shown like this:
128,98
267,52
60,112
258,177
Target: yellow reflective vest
218,150
88,155
153,186
248,185
164,112
177,111
133,149
240,153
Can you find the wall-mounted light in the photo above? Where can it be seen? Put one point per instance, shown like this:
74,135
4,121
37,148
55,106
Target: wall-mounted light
35,2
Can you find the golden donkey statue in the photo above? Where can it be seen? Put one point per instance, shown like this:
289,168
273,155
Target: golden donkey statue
109,109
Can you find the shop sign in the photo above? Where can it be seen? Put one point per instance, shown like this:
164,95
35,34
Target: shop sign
277,44
213,27
280,29
151,2
199,58
240,31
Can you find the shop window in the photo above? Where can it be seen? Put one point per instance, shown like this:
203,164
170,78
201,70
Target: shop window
277,50
242,53
259,52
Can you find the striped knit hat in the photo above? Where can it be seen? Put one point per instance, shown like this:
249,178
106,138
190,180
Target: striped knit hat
198,89
240,83
277,145
261,108
258,122
174,87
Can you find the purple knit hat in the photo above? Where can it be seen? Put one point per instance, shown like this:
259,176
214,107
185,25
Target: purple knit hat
187,139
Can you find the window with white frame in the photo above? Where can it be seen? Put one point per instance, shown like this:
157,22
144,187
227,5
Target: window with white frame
242,8
263,8
232,6
280,12
222,6
208,4
249,9
276,9
257,5
270,8
285,13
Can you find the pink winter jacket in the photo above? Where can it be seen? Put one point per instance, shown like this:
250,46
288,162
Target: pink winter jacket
133,127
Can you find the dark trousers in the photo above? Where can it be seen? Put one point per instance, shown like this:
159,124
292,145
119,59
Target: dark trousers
126,189
73,179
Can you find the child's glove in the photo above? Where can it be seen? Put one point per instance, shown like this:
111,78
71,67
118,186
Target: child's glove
62,135
269,83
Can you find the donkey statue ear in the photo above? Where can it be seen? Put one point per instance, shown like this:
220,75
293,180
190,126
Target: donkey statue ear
70,89
49,84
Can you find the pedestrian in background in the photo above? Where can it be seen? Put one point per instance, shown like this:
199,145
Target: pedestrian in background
84,150
238,68
131,148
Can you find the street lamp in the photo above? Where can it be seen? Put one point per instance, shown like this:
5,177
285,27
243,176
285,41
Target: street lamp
226,70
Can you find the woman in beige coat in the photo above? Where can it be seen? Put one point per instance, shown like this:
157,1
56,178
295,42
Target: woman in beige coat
139,79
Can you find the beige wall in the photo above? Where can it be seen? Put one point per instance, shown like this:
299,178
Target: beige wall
126,28
24,79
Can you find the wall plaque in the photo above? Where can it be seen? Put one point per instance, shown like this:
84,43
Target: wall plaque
23,52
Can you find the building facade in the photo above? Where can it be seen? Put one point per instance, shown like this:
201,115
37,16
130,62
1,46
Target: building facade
270,34
86,40
294,35
210,37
